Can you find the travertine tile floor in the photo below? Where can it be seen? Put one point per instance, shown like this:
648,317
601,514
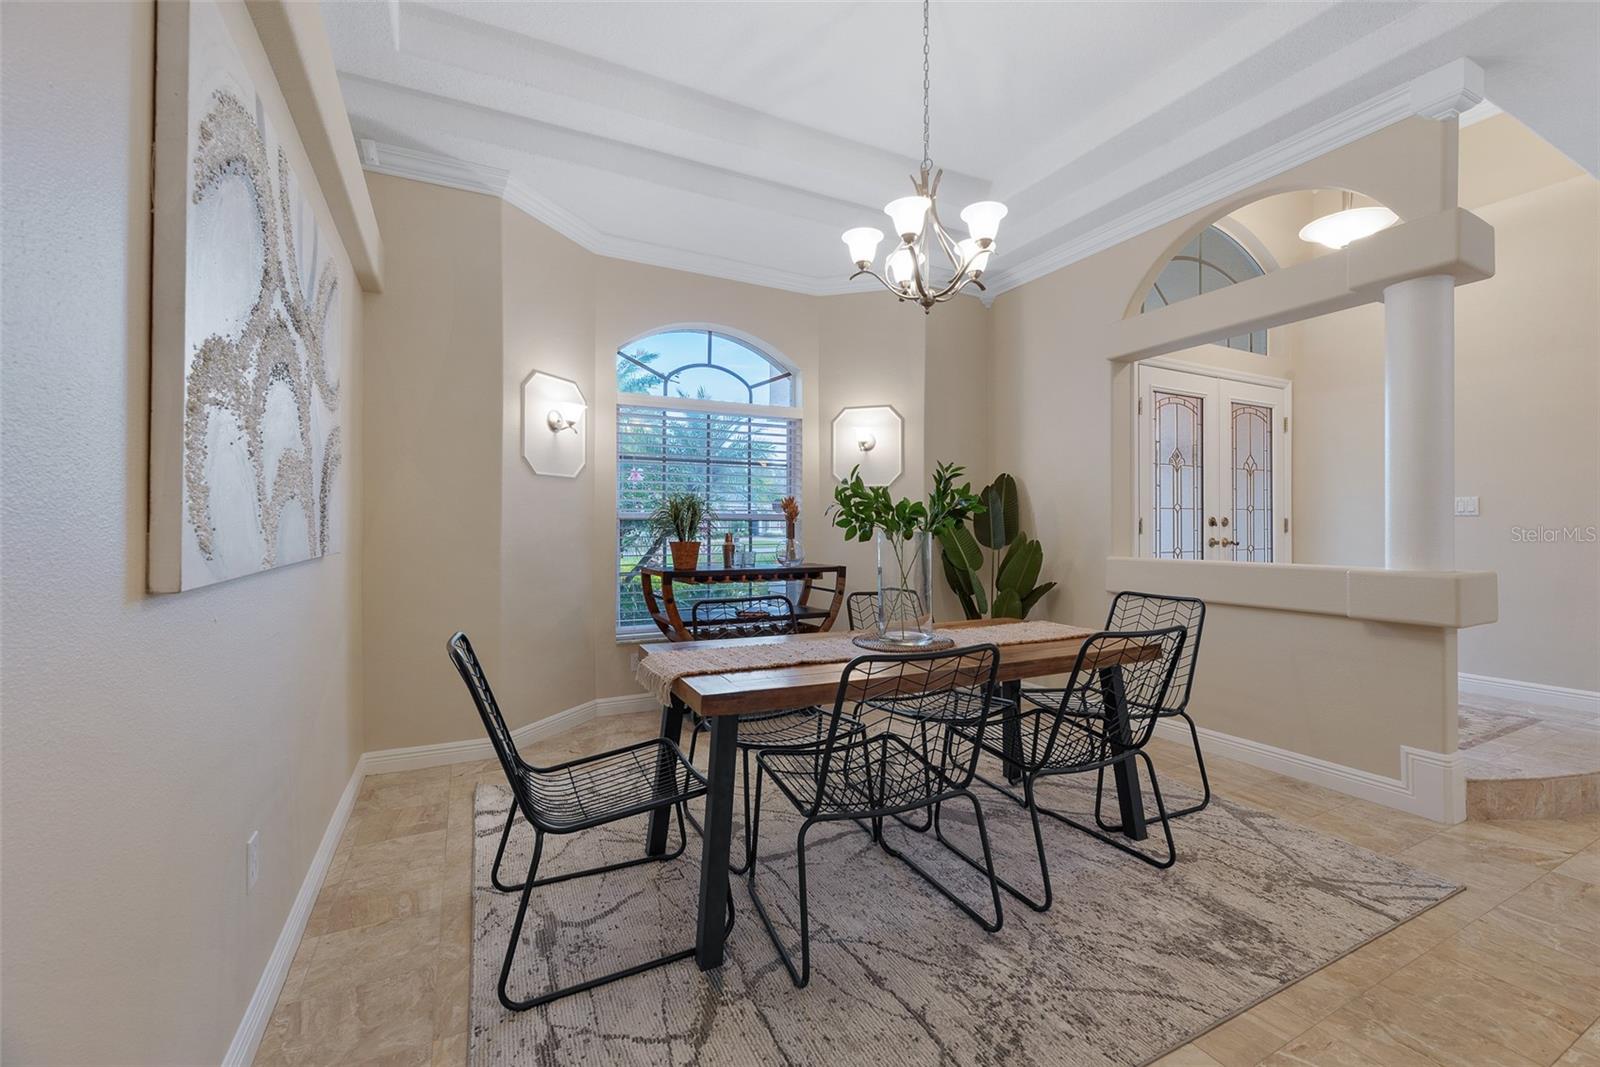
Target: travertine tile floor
1501,739
1505,973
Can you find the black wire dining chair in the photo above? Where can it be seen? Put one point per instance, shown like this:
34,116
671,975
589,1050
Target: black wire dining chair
1152,611
762,730
578,795
868,777
760,615
1106,714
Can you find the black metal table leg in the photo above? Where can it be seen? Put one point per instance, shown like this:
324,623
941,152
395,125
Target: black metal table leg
1130,802
667,770
711,926
1011,730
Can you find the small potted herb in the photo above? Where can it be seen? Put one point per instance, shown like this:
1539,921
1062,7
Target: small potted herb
678,517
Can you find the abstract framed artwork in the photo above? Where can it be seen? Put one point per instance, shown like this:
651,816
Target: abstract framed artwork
247,329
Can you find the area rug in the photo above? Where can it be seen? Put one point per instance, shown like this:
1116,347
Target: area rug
1129,963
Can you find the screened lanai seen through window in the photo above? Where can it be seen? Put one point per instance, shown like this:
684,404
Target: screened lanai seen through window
1211,261
700,411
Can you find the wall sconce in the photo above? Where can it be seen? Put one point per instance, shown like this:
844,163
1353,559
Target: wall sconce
552,405
559,420
871,438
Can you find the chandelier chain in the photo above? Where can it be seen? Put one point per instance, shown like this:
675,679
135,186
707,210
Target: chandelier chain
927,160
908,272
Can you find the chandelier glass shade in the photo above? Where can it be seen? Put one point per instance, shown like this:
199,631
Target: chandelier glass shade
918,231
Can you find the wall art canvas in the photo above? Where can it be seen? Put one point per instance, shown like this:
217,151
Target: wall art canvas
248,330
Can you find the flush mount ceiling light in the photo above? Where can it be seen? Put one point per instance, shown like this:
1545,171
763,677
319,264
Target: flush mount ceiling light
915,218
1350,224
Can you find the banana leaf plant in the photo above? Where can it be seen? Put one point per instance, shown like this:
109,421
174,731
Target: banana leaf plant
1014,559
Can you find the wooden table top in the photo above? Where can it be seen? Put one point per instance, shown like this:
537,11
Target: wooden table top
775,688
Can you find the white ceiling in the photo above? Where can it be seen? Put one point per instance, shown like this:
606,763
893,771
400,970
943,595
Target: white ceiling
740,139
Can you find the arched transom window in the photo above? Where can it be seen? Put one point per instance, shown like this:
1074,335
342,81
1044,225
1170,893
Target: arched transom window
704,365
701,411
1211,261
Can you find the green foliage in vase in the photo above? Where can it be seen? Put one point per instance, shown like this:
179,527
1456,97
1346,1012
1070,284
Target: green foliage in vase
859,509
1014,558
679,516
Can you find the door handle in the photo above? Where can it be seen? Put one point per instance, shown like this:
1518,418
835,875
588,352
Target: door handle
1226,542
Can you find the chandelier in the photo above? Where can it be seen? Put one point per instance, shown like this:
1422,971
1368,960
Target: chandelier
916,222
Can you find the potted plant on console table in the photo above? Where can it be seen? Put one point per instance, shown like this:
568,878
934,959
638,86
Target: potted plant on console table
905,531
678,518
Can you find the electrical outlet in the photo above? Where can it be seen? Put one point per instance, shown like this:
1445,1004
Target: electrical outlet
633,661
252,860
1466,505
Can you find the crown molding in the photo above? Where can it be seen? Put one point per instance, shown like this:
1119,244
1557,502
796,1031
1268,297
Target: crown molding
438,169
1448,92
1444,93
1342,129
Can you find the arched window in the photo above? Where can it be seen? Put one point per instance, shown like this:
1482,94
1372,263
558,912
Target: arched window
1211,261
701,411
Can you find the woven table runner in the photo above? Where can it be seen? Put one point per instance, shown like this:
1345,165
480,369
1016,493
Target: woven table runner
664,664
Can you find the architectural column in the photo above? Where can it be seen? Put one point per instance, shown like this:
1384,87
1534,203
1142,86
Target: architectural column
1419,424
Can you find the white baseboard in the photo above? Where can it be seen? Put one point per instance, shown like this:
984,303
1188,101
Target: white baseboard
389,760
1431,784
259,1011
626,705
1556,696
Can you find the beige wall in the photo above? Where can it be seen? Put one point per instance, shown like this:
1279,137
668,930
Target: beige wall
872,352
1067,415
547,533
462,533
956,384
145,736
431,501
1527,438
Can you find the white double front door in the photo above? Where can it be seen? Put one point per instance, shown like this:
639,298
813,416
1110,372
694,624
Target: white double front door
1212,466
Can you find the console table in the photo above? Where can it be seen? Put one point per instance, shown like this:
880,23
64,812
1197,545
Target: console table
813,577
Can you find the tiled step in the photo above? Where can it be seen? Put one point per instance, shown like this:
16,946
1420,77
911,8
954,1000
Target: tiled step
1561,797
1527,761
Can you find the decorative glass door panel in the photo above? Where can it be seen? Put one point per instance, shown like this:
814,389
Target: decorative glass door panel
1178,453
1213,467
1250,426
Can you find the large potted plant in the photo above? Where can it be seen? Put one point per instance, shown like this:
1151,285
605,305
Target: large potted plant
678,517
904,530
1013,562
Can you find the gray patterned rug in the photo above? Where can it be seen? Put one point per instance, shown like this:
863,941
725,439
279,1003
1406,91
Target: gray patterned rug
1128,964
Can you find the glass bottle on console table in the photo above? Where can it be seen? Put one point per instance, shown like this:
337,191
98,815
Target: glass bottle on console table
791,515
905,589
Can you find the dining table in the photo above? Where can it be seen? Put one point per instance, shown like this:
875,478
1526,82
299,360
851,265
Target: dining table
722,696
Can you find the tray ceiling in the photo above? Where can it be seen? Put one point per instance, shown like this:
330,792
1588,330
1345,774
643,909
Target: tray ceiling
740,140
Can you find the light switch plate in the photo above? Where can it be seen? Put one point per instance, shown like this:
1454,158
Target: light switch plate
1466,505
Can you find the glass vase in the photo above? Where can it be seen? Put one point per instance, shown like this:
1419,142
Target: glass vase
905,589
